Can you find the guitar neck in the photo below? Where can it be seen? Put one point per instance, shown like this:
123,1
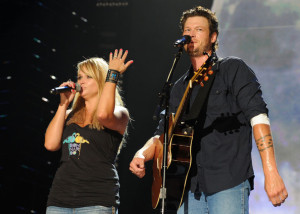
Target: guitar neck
180,108
198,77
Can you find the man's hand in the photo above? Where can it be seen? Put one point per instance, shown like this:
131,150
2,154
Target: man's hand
137,167
275,189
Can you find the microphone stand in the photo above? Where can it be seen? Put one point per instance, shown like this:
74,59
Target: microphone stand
164,101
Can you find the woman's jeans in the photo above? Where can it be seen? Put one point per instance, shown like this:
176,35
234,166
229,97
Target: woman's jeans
81,210
230,201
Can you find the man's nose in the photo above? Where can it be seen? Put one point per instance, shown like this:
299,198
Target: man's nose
192,33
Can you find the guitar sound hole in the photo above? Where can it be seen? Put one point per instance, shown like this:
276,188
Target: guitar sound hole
181,146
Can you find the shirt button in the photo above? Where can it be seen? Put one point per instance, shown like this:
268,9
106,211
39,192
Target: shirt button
218,92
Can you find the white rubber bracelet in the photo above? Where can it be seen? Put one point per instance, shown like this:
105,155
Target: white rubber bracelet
260,119
139,153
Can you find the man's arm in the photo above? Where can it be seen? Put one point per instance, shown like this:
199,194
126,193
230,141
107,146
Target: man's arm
274,185
146,153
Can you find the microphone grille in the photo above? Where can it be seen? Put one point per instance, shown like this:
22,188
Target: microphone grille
77,87
187,38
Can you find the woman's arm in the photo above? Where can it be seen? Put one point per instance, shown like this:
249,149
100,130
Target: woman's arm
110,116
55,128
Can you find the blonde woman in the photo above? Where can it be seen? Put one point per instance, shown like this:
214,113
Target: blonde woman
89,135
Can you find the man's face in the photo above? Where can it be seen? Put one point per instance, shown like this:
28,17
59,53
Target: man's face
198,28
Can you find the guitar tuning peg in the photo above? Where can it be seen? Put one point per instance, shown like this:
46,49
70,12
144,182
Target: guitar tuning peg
205,78
210,72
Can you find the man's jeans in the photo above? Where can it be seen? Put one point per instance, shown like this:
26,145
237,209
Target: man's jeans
230,201
81,210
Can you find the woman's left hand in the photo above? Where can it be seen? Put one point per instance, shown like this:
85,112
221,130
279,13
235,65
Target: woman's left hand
117,61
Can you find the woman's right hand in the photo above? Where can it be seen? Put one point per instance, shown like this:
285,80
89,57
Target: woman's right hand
117,61
67,97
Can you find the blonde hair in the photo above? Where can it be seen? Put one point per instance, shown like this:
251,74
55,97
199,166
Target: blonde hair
97,69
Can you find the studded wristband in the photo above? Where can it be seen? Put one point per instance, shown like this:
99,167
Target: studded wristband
112,76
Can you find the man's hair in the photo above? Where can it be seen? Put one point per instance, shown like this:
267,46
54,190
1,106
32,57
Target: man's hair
204,12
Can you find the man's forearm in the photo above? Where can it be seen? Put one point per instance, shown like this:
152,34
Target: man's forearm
264,142
148,150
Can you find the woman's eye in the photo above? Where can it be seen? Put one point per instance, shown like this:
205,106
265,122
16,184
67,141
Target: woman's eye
89,77
79,77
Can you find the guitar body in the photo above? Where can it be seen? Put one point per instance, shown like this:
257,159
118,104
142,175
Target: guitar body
179,149
179,159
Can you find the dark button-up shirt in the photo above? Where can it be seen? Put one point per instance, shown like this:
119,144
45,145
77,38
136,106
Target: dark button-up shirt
223,135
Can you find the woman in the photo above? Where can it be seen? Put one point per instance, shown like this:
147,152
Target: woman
90,135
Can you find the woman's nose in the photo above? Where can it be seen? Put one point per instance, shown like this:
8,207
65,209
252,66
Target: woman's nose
81,81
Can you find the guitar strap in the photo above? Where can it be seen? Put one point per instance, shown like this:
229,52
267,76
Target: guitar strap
202,95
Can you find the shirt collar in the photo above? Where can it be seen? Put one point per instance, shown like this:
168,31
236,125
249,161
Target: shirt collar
189,74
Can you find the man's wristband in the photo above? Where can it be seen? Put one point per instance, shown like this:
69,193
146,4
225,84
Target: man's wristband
112,76
139,154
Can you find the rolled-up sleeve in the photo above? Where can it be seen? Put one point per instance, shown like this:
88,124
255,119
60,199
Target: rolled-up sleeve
247,90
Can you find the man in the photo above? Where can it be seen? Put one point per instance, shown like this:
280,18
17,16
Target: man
221,176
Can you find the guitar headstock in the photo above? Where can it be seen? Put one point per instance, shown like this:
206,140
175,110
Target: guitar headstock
202,74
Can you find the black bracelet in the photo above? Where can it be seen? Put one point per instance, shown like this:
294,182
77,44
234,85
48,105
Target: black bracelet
112,76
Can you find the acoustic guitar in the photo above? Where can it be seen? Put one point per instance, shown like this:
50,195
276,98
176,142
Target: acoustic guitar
179,148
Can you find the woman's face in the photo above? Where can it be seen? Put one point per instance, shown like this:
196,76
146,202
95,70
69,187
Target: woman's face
89,86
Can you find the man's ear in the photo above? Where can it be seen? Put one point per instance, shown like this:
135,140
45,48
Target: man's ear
213,37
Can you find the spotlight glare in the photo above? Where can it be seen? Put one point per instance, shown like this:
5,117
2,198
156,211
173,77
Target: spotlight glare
37,40
36,56
45,99
83,19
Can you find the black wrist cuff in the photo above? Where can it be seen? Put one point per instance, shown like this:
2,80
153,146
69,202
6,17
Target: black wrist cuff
112,76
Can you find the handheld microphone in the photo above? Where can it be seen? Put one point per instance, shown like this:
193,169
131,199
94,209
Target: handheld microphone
63,89
186,39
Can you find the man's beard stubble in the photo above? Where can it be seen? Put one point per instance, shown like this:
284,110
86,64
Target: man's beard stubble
194,53
199,51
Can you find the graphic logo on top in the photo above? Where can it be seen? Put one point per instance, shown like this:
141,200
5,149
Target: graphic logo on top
74,143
